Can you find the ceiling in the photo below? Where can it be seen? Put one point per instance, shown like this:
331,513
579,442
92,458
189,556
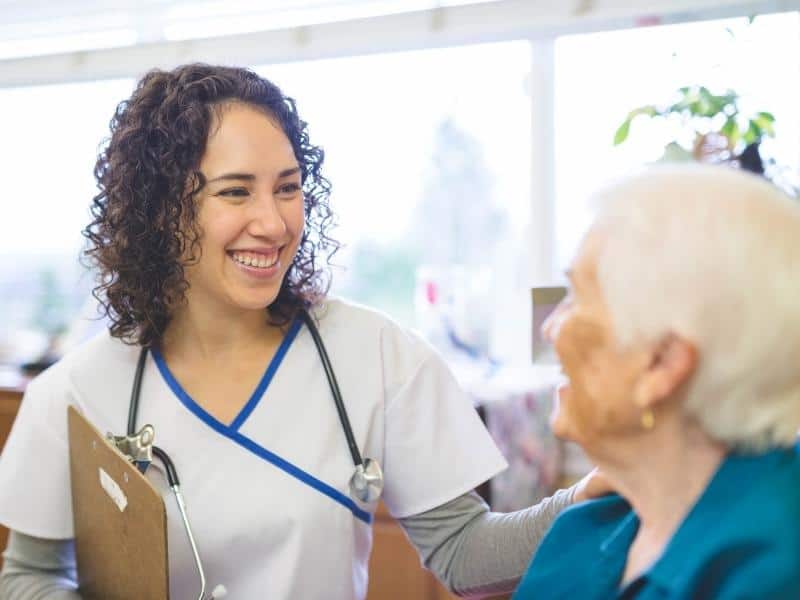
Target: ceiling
154,20
33,28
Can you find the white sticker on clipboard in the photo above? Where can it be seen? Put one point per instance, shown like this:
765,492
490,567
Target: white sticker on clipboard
113,490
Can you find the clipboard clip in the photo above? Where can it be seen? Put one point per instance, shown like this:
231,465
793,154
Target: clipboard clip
137,448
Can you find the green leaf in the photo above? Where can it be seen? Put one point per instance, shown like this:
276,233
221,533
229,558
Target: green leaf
726,102
698,101
648,109
731,131
622,132
709,105
765,124
731,97
753,133
688,96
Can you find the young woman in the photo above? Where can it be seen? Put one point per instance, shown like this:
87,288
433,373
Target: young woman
210,234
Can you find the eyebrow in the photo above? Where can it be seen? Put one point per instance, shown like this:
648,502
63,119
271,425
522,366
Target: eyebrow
250,176
237,176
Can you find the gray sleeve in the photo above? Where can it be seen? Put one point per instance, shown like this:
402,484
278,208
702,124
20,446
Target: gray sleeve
38,569
475,552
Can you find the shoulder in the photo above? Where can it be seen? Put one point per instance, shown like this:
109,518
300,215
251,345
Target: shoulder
579,532
755,548
753,569
337,312
600,516
94,377
773,511
769,509
364,339
96,362
355,325
576,537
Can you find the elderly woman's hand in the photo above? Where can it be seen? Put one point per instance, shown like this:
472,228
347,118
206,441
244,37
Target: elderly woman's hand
592,486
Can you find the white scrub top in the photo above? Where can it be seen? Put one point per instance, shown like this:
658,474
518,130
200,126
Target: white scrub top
267,494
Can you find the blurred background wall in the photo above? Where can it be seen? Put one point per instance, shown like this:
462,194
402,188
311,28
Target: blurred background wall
462,139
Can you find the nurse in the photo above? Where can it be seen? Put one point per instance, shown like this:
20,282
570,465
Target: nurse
210,234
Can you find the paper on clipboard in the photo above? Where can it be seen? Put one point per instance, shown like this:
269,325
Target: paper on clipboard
120,521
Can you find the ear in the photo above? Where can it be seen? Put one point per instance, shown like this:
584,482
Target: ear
672,364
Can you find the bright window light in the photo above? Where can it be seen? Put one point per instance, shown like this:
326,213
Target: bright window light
189,20
57,44
429,156
51,136
602,76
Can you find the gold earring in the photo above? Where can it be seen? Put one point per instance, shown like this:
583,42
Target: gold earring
648,419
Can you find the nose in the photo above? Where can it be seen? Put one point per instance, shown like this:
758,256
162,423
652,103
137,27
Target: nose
266,219
553,322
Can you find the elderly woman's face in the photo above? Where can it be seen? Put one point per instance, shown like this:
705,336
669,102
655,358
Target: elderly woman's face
250,212
598,398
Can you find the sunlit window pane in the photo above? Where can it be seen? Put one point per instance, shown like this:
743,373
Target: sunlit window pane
50,140
428,153
602,76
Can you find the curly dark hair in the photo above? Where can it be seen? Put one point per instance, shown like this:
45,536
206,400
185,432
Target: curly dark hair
144,216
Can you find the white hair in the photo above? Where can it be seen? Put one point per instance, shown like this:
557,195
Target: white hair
711,254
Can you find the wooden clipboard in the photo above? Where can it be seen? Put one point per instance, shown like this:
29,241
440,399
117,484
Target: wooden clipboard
120,521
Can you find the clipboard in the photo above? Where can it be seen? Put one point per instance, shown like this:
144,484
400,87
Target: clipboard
120,520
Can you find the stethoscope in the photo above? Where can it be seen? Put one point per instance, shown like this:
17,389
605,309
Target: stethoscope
366,483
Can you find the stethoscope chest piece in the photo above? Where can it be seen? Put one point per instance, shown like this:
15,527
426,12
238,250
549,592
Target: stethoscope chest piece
366,484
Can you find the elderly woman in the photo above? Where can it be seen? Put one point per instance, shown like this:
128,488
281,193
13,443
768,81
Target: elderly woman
680,341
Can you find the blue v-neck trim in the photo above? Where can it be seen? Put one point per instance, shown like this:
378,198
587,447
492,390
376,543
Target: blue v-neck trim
268,375
232,431
255,398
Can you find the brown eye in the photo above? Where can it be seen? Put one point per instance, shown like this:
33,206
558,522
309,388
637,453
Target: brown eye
234,192
289,189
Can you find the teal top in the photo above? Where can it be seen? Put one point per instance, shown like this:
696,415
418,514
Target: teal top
741,540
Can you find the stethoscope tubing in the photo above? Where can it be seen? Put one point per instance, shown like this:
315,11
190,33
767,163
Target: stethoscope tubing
133,407
366,471
334,386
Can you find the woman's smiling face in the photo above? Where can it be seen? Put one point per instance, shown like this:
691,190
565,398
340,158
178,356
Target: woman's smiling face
250,212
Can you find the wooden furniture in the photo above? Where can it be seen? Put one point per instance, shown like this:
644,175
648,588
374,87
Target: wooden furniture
10,397
394,567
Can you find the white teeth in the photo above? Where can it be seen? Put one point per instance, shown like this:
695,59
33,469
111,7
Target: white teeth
252,259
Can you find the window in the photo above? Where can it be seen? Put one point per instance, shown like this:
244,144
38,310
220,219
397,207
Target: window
50,141
428,153
602,76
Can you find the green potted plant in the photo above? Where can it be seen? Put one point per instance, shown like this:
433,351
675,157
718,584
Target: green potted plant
721,133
